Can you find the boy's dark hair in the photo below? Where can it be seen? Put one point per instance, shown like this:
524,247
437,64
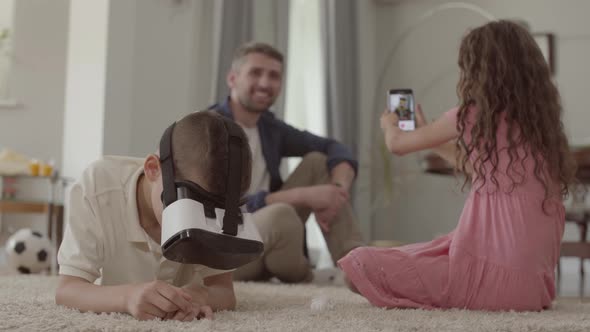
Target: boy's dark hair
201,151
255,47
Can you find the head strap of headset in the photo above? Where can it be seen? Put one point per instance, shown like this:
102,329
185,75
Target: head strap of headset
230,203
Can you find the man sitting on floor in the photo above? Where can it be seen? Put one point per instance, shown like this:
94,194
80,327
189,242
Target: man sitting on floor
320,184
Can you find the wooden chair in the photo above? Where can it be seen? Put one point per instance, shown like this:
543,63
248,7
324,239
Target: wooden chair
578,213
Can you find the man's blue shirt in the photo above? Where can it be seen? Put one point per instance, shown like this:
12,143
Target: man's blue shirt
279,140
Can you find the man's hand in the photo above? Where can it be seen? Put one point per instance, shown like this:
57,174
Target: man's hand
343,175
323,196
326,201
325,217
157,299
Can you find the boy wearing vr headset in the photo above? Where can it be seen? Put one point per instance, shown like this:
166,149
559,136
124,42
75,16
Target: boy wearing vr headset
111,259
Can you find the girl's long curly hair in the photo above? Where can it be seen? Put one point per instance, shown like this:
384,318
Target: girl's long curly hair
504,73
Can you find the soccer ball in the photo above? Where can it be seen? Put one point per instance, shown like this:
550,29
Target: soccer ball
28,251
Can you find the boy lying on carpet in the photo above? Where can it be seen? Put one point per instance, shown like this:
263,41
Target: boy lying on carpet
507,137
111,260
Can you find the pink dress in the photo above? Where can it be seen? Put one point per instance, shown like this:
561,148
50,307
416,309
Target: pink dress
501,256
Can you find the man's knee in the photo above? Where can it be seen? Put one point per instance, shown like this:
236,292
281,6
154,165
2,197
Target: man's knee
285,219
281,210
315,158
316,163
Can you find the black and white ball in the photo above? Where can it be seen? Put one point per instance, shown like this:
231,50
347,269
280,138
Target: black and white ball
28,251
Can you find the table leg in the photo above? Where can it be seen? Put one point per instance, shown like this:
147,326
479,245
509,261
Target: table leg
50,222
558,279
59,226
583,231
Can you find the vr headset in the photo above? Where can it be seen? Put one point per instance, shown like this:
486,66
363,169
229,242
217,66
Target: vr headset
200,227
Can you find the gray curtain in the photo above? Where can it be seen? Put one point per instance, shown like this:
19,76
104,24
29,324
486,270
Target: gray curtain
239,24
340,49
236,29
281,42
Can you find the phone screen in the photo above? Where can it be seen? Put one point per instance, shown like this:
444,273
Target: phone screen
401,101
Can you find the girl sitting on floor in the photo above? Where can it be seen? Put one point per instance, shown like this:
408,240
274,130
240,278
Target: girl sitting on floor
507,137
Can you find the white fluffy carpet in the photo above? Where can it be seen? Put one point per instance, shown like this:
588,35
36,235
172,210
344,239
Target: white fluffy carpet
27,304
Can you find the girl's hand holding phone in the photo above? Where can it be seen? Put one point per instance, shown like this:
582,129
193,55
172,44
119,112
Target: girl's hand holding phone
388,120
420,118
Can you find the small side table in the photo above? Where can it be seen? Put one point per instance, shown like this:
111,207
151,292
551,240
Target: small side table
54,212
51,206
579,213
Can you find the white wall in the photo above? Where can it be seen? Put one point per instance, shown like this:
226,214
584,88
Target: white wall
132,68
159,67
150,66
119,83
164,41
85,87
35,127
6,13
422,205
6,16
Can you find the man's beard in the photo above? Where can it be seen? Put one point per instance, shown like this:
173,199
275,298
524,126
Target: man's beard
251,108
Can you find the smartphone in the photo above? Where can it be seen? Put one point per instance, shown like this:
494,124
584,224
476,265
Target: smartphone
401,101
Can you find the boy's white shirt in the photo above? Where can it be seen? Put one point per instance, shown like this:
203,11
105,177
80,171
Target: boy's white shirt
104,242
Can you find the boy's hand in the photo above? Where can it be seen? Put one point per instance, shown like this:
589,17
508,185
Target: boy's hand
198,312
156,299
203,312
182,316
200,308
